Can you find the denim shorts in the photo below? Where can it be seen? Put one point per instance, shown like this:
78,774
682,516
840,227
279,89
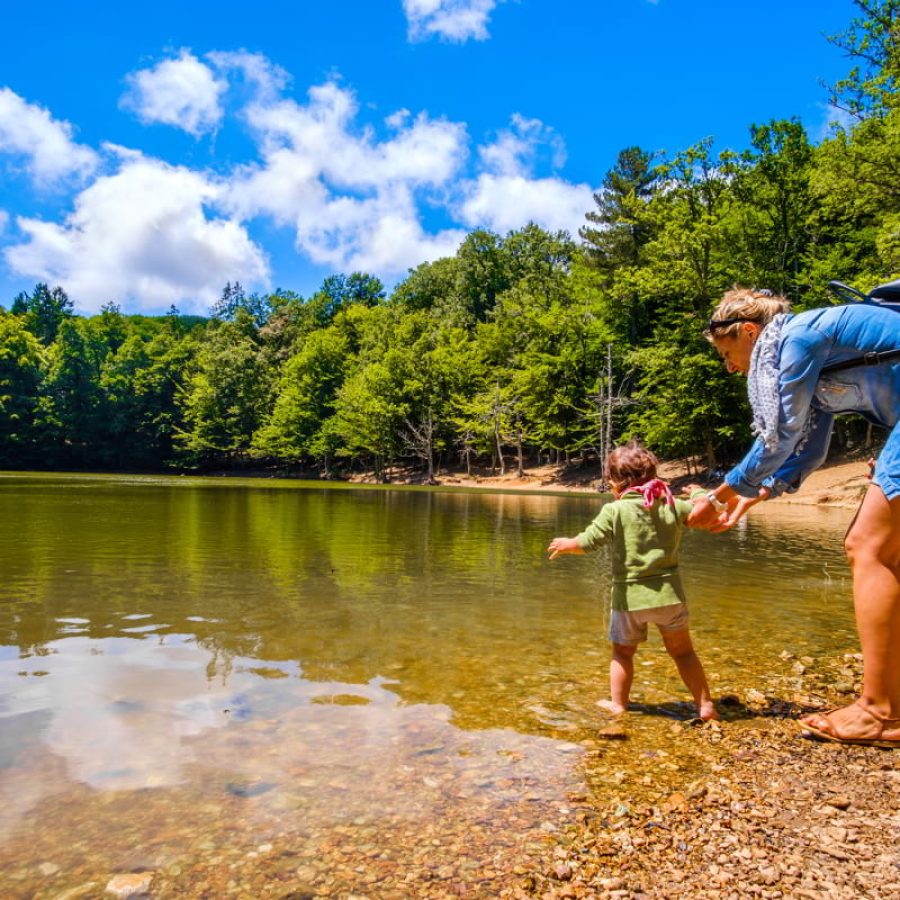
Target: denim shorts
630,626
887,469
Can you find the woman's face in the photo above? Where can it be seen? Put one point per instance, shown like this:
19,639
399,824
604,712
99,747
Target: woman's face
736,350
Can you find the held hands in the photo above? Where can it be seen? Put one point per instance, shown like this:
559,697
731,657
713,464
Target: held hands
559,546
705,516
737,507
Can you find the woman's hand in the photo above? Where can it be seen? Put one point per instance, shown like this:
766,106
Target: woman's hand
561,545
705,515
737,508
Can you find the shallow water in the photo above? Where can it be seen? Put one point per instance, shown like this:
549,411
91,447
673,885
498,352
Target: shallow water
249,686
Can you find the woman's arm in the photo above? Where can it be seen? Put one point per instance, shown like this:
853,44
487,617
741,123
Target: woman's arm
803,353
795,468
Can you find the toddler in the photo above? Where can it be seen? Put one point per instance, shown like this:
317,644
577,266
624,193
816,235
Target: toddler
643,527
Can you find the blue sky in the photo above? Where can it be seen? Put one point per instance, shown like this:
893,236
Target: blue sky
151,152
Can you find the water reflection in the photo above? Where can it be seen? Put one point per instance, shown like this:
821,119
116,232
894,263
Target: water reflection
449,595
351,654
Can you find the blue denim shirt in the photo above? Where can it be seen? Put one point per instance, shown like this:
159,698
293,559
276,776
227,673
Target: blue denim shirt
809,341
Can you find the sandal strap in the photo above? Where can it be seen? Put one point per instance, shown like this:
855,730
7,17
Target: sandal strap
875,715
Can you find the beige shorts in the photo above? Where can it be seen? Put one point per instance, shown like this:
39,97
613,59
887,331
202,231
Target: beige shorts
630,627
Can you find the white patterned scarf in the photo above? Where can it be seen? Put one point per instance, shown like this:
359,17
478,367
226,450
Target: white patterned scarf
763,386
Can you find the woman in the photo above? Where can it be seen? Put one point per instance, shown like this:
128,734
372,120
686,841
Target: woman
794,397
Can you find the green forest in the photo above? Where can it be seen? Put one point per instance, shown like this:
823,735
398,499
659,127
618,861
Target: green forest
524,347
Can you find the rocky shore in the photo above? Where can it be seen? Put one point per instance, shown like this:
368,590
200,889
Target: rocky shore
765,813
776,815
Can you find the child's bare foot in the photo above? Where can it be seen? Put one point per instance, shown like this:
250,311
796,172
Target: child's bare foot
707,712
611,707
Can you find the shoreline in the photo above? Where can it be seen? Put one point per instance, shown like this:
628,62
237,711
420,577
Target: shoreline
840,484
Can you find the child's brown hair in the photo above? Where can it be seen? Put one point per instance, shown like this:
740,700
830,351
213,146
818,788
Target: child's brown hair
631,464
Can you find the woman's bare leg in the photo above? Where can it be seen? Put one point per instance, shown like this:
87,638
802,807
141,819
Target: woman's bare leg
873,549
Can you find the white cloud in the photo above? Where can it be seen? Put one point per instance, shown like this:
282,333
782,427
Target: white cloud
355,196
322,138
516,150
452,20
4,220
183,92
30,132
141,235
380,234
507,195
267,79
397,119
506,202
350,197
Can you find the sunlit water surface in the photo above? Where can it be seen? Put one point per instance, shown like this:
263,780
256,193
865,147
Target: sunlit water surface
249,686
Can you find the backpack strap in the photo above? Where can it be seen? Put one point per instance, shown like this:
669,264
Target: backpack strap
887,296
868,359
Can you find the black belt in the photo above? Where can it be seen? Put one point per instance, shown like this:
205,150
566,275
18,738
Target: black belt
868,359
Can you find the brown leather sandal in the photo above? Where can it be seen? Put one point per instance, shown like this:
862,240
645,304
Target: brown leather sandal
833,734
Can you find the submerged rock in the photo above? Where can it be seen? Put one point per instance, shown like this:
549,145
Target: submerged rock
129,885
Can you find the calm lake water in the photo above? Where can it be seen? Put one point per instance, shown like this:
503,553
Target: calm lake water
283,688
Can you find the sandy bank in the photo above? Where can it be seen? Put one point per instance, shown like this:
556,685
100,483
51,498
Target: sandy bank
838,484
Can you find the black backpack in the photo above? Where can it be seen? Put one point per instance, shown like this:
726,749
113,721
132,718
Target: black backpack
886,295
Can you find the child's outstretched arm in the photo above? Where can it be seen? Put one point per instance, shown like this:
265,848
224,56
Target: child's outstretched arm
597,533
559,546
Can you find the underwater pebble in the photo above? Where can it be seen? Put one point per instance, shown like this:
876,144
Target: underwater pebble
129,884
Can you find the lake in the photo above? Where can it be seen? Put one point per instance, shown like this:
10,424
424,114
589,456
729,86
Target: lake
223,687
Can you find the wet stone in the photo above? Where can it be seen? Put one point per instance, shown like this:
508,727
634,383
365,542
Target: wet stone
129,885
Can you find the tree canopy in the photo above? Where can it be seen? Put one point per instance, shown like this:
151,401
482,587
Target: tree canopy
523,346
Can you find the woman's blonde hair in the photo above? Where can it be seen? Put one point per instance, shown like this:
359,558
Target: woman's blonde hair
742,304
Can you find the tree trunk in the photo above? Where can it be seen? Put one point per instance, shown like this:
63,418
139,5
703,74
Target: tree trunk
499,448
609,402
